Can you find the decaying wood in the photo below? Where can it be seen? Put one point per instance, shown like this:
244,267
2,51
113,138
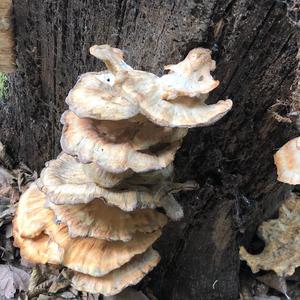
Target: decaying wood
255,47
7,62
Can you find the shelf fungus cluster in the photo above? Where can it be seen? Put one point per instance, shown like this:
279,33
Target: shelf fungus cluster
7,62
93,209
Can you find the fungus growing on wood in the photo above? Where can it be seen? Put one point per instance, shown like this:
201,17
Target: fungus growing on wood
114,149
79,253
281,236
93,208
117,280
39,250
67,169
94,97
7,62
287,161
65,181
173,100
101,221
31,219
63,189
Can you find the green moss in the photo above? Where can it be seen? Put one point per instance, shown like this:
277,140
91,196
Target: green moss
3,86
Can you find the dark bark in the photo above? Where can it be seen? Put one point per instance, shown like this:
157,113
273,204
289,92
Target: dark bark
255,48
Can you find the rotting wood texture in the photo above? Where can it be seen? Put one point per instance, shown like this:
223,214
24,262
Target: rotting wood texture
255,48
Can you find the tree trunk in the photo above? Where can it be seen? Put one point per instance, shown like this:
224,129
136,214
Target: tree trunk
255,47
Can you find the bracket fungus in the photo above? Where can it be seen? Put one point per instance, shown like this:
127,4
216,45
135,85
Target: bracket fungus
173,100
282,239
287,161
93,209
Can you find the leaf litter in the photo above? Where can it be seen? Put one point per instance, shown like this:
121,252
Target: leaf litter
18,278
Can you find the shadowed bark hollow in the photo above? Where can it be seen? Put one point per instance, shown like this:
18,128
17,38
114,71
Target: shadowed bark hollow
255,47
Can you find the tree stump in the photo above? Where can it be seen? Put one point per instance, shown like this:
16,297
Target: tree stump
255,46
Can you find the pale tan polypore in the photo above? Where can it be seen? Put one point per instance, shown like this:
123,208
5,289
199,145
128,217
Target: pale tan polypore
56,184
7,62
150,135
191,77
127,199
112,57
67,181
100,221
94,220
186,86
117,158
31,219
87,140
94,97
67,169
287,161
76,253
115,281
71,171
101,177
281,253
80,253
38,250
181,112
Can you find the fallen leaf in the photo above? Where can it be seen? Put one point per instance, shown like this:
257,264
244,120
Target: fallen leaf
7,215
68,295
8,231
6,177
12,279
273,281
9,192
47,297
35,277
58,284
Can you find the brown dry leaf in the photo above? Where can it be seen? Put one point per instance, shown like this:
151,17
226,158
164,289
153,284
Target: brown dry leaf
12,279
6,177
68,295
273,281
35,278
60,283
24,177
8,192
7,214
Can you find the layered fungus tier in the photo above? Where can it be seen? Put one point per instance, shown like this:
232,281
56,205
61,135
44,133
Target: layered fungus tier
93,209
